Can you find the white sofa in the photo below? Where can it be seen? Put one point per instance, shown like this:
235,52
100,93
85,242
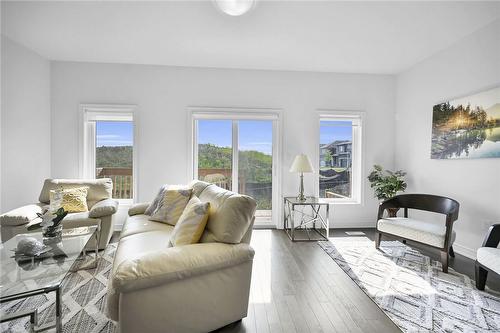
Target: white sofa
101,207
193,288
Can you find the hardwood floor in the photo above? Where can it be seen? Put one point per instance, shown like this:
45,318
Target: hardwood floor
297,287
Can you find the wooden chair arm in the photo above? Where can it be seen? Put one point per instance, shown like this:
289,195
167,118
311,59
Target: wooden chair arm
492,239
389,203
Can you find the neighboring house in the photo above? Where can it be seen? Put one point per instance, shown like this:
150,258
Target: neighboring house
340,154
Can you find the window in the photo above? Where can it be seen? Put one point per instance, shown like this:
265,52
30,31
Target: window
339,176
108,147
238,153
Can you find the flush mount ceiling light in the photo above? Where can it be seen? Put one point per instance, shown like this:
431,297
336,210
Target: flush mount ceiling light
234,7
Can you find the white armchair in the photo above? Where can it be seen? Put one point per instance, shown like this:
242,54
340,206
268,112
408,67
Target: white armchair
488,256
101,207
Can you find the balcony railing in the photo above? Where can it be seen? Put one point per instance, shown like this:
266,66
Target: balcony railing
122,181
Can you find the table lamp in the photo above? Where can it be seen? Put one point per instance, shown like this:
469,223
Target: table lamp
301,164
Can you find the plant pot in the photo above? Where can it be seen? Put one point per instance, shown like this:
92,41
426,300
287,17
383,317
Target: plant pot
393,212
52,235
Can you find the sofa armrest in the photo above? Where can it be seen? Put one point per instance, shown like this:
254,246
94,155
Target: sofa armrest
21,215
104,207
138,208
177,263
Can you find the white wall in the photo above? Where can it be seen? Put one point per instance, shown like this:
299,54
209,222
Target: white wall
163,94
25,124
467,67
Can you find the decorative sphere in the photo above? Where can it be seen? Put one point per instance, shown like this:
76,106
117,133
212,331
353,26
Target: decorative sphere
29,246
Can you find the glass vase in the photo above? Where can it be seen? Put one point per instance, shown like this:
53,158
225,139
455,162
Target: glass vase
52,235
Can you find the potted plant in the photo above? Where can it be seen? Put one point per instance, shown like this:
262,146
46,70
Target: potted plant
387,184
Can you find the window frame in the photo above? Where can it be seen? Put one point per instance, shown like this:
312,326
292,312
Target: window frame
89,113
357,149
235,114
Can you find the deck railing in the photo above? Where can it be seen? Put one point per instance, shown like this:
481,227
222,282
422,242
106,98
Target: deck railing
122,181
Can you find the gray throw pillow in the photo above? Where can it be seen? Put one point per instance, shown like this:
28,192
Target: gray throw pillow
153,207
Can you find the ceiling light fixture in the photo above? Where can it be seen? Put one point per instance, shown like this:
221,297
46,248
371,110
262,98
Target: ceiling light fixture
234,7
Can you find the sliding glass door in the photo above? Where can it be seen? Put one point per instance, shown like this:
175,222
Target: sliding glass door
215,152
239,155
255,164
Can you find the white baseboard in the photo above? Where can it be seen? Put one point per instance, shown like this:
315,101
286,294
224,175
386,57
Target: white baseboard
465,251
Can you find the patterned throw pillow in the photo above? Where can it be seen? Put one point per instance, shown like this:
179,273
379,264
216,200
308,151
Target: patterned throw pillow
73,200
170,208
191,224
153,206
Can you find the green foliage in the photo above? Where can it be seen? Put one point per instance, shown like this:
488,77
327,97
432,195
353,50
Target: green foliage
114,157
328,157
214,157
255,166
386,183
460,117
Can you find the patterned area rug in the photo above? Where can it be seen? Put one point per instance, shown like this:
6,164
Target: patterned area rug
84,301
412,290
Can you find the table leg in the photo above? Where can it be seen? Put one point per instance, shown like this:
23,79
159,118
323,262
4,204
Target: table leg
327,221
58,310
315,216
293,223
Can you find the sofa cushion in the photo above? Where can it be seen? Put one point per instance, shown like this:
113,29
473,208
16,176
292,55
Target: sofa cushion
99,189
420,231
140,223
230,214
191,224
490,258
199,186
21,215
135,245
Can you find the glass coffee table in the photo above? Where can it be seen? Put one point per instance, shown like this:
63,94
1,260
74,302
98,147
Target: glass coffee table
22,277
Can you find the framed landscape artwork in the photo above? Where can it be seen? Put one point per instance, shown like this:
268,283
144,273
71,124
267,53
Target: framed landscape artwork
467,127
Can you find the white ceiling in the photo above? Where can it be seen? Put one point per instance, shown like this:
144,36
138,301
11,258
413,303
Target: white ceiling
349,37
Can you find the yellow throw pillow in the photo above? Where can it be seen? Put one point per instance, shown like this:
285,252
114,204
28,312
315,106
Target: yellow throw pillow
170,208
191,224
73,200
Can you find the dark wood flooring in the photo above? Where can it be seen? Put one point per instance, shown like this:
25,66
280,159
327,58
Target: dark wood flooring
297,287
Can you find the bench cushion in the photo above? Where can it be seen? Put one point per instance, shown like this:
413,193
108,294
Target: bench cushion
420,231
489,257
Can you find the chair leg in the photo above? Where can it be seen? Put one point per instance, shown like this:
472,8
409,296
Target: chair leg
452,253
481,275
378,238
444,261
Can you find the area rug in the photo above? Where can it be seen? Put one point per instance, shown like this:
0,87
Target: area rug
83,298
412,290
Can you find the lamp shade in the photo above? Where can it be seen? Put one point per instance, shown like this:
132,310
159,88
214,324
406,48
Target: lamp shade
301,163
